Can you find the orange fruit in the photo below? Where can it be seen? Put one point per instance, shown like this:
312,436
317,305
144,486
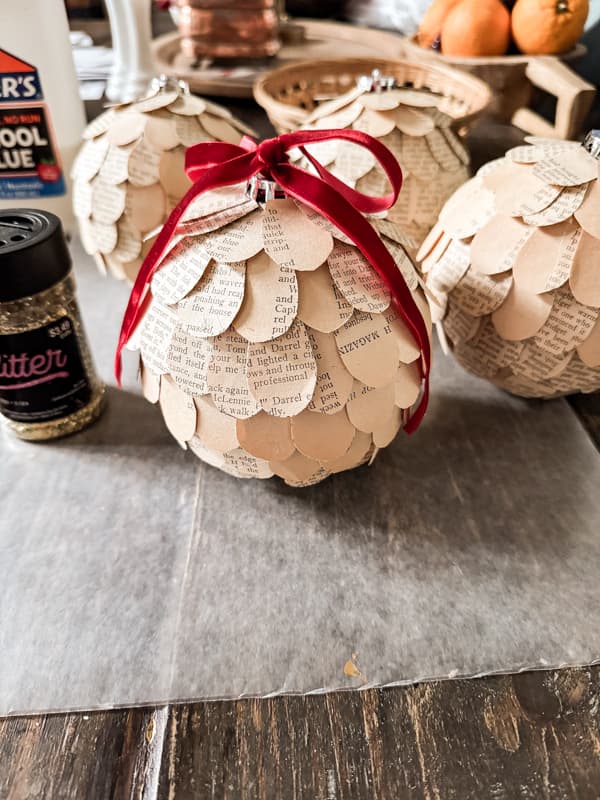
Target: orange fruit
548,26
431,25
476,28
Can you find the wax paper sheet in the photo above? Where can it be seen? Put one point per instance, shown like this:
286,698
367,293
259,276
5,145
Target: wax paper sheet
131,573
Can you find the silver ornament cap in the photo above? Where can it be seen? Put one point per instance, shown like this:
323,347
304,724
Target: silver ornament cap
376,82
262,189
592,142
166,83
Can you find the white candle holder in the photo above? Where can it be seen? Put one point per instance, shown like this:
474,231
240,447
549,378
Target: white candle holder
133,67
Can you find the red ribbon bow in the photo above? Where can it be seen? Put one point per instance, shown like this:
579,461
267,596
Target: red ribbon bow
212,165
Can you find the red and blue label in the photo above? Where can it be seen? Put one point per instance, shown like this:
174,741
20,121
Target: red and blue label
29,159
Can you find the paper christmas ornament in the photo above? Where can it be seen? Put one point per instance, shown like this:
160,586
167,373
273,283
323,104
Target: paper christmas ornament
433,159
513,268
270,342
129,173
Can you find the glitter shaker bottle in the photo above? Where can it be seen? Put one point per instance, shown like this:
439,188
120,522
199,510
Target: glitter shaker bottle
48,385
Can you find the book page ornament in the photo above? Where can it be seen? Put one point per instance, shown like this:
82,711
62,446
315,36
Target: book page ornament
521,307
281,349
129,173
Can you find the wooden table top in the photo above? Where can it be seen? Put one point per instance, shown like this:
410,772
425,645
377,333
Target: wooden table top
529,735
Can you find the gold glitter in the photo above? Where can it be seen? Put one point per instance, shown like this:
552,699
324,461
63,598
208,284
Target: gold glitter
43,308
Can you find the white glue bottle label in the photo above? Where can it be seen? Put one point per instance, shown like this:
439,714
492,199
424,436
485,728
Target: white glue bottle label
41,113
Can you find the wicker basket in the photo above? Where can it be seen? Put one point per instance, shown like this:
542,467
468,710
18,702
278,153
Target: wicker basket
290,93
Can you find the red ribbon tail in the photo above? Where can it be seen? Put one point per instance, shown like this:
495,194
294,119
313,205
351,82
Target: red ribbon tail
335,207
238,168
140,311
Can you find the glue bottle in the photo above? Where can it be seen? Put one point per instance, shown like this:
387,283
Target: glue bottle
41,113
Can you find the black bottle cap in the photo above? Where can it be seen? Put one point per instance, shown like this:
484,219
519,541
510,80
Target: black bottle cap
33,252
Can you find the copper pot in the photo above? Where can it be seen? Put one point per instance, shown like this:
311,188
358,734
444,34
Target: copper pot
228,28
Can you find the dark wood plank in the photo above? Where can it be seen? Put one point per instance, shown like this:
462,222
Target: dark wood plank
532,736
80,756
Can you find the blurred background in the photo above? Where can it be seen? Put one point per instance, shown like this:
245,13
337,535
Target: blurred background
403,16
